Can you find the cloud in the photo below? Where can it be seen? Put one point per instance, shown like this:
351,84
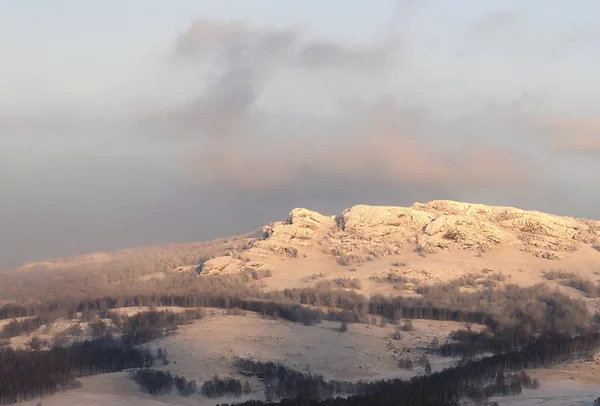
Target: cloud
586,145
236,45
233,139
575,135
405,10
241,60
379,149
494,23
580,35
241,46
319,54
220,111
203,35
589,125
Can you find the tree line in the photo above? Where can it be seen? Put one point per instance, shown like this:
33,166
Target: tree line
162,382
144,327
26,375
29,374
158,383
512,314
281,382
19,327
541,308
477,379
284,383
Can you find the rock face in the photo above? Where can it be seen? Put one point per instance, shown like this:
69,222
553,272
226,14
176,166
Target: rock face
302,228
229,265
363,233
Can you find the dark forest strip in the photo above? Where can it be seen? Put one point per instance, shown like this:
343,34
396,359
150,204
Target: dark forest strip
29,374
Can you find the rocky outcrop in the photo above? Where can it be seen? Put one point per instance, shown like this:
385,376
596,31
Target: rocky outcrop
363,233
301,225
228,265
446,225
303,228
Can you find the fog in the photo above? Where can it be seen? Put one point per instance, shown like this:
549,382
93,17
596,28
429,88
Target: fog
76,203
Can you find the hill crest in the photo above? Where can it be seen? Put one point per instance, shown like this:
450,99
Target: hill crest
365,233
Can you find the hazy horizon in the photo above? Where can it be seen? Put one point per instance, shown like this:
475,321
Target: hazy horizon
208,119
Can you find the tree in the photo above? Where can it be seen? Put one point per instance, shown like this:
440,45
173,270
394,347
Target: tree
60,340
246,389
344,326
424,361
405,363
162,354
98,328
35,343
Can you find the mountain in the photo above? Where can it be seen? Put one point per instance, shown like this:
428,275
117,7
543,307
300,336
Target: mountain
416,288
434,241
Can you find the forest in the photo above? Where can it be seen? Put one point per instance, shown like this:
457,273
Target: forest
30,374
526,327
512,311
477,379
157,382
281,382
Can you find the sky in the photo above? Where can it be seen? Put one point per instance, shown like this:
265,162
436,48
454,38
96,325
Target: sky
127,123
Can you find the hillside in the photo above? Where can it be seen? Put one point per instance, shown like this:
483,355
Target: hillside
432,242
428,243
525,272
